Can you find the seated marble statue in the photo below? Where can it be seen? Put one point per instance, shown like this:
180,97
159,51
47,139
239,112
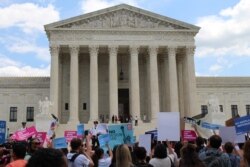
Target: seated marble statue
44,107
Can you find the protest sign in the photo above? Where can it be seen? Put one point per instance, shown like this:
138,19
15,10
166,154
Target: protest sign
228,134
188,135
103,139
69,135
242,124
60,143
145,141
24,134
120,134
210,126
80,130
168,126
2,131
230,122
41,136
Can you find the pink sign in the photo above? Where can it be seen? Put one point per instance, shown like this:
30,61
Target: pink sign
69,135
24,134
41,136
188,135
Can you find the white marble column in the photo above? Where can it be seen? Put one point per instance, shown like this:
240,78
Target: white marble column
113,82
134,83
154,82
54,79
74,84
173,84
190,82
93,83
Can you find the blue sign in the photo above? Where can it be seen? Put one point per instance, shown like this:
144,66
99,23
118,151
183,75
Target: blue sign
2,131
120,134
103,140
210,126
80,130
242,124
60,143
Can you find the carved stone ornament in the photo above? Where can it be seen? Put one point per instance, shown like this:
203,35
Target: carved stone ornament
54,50
122,18
113,50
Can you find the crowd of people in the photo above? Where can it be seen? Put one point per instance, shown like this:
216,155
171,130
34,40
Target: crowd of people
82,153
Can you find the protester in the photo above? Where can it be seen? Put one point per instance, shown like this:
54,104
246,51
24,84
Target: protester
160,157
189,157
94,133
33,145
78,157
113,161
141,154
234,159
47,157
246,153
212,156
200,144
17,155
100,160
123,156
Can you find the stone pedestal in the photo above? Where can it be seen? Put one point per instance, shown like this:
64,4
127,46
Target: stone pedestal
42,123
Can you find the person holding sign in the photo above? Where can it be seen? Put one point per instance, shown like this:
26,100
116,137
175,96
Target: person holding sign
94,133
99,158
78,157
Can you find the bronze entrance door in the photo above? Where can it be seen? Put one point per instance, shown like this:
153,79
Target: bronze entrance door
123,105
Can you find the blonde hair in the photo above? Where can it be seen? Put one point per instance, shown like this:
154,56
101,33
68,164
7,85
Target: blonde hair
123,156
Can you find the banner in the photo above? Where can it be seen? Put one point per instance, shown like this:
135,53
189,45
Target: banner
41,137
242,124
191,121
60,143
24,134
103,140
168,126
69,135
145,141
120,134
188,135
2,131
80,130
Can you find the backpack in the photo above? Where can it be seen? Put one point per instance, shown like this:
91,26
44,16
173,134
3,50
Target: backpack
172,164
212,160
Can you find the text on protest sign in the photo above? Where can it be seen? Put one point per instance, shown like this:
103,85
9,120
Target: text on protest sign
120,134
242,124
24,134
188,135
41,137
103,139
69,135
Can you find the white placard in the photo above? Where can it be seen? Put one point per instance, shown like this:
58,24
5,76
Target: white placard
168,126
145,141
228,134
102,128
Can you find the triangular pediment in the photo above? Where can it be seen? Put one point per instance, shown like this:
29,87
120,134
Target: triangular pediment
121,17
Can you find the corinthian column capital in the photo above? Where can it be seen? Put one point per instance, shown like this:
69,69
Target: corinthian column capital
113,50
54,50
190,50
74,49
94,49
153,50
134,49
172,50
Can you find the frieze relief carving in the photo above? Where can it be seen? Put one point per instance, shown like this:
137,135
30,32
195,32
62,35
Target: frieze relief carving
122,19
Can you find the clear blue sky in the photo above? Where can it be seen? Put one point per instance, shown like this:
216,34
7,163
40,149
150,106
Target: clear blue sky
223,44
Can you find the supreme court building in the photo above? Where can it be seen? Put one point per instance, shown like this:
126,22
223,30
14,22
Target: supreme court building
123,61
